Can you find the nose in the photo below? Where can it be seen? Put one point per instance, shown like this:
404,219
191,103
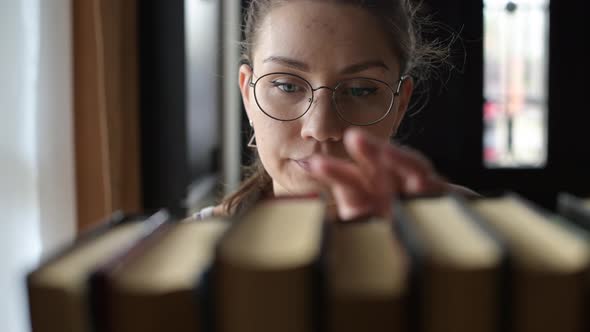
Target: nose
321,121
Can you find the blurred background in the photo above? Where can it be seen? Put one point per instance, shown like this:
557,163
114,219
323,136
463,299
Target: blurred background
134,105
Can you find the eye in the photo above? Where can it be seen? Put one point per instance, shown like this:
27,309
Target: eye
286,87
361,92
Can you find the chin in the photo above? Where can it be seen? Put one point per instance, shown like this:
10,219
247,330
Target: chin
309,186
302,187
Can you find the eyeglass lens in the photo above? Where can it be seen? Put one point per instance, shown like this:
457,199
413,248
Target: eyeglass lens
358,101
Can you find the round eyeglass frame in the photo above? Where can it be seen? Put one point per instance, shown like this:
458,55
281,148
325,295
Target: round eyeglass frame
395,92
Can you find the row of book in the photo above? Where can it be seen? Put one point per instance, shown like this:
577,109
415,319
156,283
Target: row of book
444,263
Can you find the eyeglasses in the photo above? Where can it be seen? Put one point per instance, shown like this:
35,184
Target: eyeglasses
358,101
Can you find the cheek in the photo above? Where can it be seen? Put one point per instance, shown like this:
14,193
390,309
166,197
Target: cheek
382,130
388,127
275,140
268,149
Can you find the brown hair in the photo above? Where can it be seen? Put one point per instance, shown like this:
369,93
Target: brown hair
398,17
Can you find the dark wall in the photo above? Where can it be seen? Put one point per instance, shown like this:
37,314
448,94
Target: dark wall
569,116
165,173
449,130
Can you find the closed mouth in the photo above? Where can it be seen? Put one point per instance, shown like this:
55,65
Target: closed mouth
303,163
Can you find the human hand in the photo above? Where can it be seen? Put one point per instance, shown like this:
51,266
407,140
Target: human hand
377,172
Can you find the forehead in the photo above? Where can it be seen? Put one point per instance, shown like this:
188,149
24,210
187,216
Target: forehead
324,35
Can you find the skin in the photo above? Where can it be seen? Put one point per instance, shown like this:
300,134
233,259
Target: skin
357,167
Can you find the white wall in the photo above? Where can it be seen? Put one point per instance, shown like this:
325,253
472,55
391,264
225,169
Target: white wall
37,211
231,21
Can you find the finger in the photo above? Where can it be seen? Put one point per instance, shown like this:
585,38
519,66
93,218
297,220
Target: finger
334,168
363,149
414,171
409,168
336,172
348,188
370,154
409,160
345,184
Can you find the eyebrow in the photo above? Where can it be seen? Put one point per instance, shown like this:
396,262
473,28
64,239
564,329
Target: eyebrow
302,66
288,62
361,66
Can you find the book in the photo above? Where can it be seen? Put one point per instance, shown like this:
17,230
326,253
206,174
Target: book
444,263
574,208
266,268
458,266
550,260
57,289
365,277
156,286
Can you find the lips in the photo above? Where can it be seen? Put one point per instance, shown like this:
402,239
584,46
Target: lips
303,163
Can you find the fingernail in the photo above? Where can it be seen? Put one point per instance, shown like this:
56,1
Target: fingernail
386,158
314,163
362,142
413,184
351,137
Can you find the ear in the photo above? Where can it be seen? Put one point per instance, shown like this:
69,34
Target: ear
402,101
245,89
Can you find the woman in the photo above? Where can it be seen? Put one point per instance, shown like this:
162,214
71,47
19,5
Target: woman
325,85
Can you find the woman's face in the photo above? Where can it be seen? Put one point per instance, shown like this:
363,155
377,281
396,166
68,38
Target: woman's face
325,44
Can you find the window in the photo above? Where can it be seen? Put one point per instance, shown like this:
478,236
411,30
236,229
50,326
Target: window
515,83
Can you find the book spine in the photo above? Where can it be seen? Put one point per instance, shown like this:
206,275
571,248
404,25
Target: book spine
571,207
319,290
204,295
407,235
506,270
100,287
